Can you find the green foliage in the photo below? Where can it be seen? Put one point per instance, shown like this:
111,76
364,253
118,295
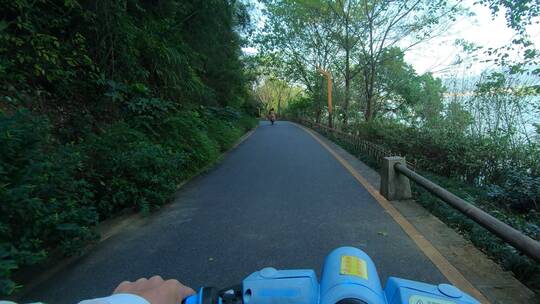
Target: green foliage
228,127
406,94
247,123
145,176
448,152
127,170
71,59
275,93
224,133
519,191
519,15
41,62
100,110
524,268
187,132
300,106
356,41
46,202
52,193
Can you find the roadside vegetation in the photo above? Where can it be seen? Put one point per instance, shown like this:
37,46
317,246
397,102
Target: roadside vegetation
476,135
107,106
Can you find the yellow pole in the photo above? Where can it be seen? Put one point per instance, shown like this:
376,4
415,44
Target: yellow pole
329,80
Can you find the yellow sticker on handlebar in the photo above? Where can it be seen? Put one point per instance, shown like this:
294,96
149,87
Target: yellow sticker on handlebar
351,265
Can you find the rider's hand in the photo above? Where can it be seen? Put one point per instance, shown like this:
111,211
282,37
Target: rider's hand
156,291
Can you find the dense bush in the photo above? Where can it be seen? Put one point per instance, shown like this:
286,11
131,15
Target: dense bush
247,123
144,176
479,161
127,170
228,127
525,269
45,200
52,193
188,132
520,191
224,133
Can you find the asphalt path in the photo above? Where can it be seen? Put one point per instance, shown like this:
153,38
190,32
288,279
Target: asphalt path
279,199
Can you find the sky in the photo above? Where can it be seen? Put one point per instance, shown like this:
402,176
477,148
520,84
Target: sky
482,29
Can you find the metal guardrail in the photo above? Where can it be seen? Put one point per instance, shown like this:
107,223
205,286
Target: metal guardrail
510,235
507,233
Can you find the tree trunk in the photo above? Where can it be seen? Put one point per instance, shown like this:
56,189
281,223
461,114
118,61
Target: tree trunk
321,102
370,75
368,115
347,91
318,110
347,76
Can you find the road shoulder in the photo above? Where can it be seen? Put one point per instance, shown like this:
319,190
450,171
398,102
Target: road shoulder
489,282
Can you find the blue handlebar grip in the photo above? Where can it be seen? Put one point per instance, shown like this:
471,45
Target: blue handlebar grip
194,299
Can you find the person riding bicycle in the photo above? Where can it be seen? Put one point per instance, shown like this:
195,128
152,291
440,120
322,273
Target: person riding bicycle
272,115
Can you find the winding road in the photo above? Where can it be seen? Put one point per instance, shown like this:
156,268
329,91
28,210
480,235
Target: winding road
279,199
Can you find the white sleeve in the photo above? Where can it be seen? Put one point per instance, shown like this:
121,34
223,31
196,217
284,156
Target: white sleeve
119,298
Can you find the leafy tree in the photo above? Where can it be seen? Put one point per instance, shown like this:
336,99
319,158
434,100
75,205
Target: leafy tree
519,15
275,93
387,23
457,118
350,37
402,93
347,36
295,41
